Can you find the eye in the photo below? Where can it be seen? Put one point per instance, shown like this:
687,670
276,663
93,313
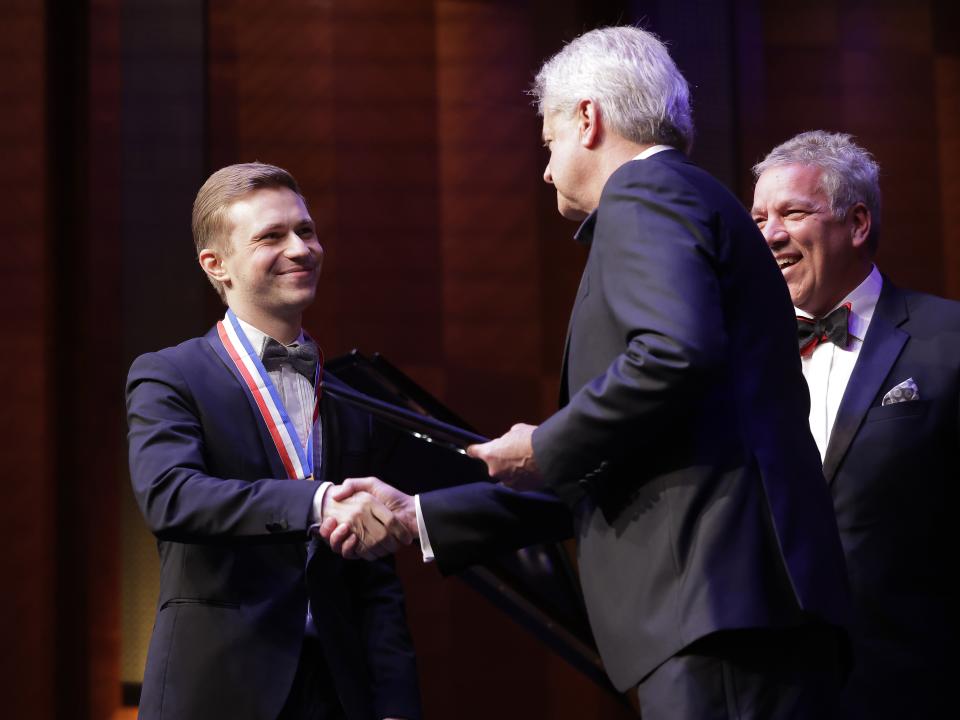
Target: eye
760,221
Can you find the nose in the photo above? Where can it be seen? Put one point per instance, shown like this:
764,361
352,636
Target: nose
298,247
547,176
774,232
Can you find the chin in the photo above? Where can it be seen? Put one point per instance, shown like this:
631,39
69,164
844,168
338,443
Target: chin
571,213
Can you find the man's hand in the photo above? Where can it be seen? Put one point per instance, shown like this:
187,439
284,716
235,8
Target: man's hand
374,527
343,537
510,459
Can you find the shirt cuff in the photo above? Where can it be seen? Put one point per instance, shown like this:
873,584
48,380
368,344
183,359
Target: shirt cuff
316,511
422,530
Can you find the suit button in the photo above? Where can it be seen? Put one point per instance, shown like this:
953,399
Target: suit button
277,526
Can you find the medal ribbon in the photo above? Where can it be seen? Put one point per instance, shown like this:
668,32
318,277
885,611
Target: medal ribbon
297,460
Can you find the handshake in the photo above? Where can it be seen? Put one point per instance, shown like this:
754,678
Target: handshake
366,518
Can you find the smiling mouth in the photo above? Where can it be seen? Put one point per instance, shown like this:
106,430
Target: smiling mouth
784,262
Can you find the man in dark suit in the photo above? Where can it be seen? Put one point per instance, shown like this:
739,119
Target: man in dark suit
708,554
883,368
231,452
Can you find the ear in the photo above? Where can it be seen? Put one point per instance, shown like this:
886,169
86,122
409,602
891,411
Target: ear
212,263
588,123
859,218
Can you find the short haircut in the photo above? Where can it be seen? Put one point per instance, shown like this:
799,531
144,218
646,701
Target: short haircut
631,77
849,174
222,189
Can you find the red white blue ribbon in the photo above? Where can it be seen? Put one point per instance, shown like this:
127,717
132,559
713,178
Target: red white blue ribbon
297,460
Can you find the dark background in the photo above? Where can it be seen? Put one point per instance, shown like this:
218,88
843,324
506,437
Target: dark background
406,124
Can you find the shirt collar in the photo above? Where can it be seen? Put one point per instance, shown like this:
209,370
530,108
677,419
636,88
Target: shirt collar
258,339
863,301
653,151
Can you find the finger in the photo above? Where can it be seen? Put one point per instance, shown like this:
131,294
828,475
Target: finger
338,537
347,488
390,523
326,528
412,529
388,546
400,531
349,548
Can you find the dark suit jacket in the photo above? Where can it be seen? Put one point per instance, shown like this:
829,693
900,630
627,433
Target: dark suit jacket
893,471
682,444
235,567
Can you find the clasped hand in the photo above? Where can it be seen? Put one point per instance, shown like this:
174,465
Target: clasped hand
366,518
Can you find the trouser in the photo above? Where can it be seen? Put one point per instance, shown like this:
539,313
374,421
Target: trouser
756,674
313,695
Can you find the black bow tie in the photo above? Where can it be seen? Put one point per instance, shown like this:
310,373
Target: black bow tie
302,358
833,327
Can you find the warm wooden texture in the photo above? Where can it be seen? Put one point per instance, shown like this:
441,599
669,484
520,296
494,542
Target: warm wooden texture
27,517
867,69
84,244
406,126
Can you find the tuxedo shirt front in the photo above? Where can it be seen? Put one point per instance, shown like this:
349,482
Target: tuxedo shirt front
828,368
892,472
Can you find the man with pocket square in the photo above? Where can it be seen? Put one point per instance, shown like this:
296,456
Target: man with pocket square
883,368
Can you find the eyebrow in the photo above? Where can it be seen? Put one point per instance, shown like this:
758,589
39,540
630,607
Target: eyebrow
266,229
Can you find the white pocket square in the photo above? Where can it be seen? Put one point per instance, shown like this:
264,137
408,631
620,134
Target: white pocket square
904,392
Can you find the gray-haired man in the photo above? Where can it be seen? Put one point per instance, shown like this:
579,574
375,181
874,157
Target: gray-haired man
709,556
883,368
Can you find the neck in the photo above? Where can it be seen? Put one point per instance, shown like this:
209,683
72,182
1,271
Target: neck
856,276
617,151
281,329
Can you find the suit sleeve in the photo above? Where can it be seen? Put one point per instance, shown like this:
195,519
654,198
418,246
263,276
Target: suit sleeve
179,499
655,266
473,523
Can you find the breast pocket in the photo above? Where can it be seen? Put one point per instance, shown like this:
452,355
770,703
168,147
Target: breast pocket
911,408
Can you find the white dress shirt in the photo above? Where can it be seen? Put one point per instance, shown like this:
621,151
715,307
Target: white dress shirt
828,368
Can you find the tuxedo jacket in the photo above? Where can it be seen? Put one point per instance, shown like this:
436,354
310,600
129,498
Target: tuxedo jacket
893,472
236,570
682,446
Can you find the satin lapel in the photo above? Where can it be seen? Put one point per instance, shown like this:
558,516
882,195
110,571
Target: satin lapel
328,431
880,350
270,450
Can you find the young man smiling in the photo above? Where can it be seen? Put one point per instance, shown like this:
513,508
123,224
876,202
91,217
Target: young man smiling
232,448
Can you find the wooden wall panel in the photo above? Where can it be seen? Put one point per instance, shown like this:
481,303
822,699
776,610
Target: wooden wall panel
945,19
27,456
866,69
385,265
489,171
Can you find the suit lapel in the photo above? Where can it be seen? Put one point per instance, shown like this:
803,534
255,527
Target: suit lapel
328,432
584,235
881,348
269,449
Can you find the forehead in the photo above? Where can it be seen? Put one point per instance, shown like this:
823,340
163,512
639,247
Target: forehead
266,205
554,122
785,182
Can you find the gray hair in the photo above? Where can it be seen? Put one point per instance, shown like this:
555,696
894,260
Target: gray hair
631,77
849,174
